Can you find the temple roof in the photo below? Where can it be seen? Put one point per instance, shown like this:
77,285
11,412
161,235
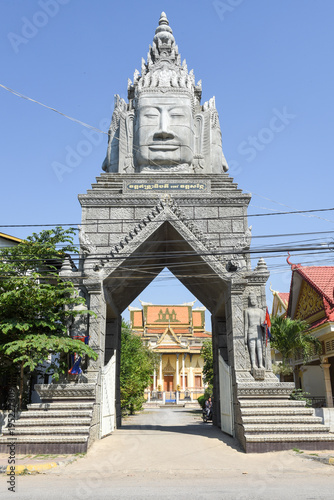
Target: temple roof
321,278
284,296
10,238
312,294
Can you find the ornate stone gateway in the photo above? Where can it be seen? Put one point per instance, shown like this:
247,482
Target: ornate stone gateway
166,200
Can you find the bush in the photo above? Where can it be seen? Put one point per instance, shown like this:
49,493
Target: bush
207,395
201,400
299,395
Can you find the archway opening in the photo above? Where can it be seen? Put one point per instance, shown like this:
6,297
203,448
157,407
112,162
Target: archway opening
196,269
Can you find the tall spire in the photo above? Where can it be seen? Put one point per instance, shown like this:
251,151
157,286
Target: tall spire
163,19
163,67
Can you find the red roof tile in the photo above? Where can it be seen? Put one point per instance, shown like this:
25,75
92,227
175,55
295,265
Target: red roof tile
321,278
202,334
284,296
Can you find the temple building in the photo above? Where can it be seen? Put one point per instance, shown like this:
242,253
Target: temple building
311,299
280,303
176,333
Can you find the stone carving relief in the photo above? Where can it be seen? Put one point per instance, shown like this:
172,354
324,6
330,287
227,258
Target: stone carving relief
164,127
237,261
254,318
166,201
86,246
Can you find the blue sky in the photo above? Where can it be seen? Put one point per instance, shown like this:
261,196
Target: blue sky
260,59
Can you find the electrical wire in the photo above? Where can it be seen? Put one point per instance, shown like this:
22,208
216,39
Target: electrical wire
167,220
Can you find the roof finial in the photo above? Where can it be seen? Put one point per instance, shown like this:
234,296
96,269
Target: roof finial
293,266
163,19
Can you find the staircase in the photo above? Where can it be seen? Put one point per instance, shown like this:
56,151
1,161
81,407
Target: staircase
60,424
282,424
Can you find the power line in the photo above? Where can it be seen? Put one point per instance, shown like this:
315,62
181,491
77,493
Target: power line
18,94
306,250
136,221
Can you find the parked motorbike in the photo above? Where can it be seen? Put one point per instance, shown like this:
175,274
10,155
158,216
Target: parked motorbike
207,414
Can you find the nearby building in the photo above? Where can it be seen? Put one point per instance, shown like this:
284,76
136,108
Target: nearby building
279,308
8,241
176,333
280,303
311,299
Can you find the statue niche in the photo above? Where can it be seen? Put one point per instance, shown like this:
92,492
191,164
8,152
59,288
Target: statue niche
254,332
164,127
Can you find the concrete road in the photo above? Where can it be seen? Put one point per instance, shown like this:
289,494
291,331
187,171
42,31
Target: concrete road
170,453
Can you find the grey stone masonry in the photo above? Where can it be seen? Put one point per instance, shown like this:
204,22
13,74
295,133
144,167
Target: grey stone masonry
59,424
270,421
216,208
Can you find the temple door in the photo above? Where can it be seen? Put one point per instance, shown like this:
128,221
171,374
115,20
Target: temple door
198,381
168,383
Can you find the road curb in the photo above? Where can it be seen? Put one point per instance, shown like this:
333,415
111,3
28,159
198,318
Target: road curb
323,460
32,468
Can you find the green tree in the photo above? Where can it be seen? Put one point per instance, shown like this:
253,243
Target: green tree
137,365
291,339
207,355
36,305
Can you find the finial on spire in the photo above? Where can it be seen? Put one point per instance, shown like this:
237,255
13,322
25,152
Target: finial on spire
163,19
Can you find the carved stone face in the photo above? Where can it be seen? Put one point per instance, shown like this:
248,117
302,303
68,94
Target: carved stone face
163,131
252,300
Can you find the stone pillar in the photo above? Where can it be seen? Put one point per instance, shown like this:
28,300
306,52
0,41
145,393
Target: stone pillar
160,374
328,385
238,357
112,334
183,372
118,370
97,328
191,375
155,380
177,371
215,353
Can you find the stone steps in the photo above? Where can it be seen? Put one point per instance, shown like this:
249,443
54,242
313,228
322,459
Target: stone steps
296,437
273,403
286,428
281,424
46,444
61,421
60,406
281,419
55,414
260,411
60,424
55,431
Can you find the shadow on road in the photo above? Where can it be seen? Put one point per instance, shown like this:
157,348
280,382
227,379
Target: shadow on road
198,428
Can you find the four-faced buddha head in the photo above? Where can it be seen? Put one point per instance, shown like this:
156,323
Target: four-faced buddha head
163,127
163,131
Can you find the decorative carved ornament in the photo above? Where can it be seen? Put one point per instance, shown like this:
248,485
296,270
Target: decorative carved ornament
89,200
165,203
310,304
168,368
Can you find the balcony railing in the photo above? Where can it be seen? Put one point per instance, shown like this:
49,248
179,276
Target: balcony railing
174,396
